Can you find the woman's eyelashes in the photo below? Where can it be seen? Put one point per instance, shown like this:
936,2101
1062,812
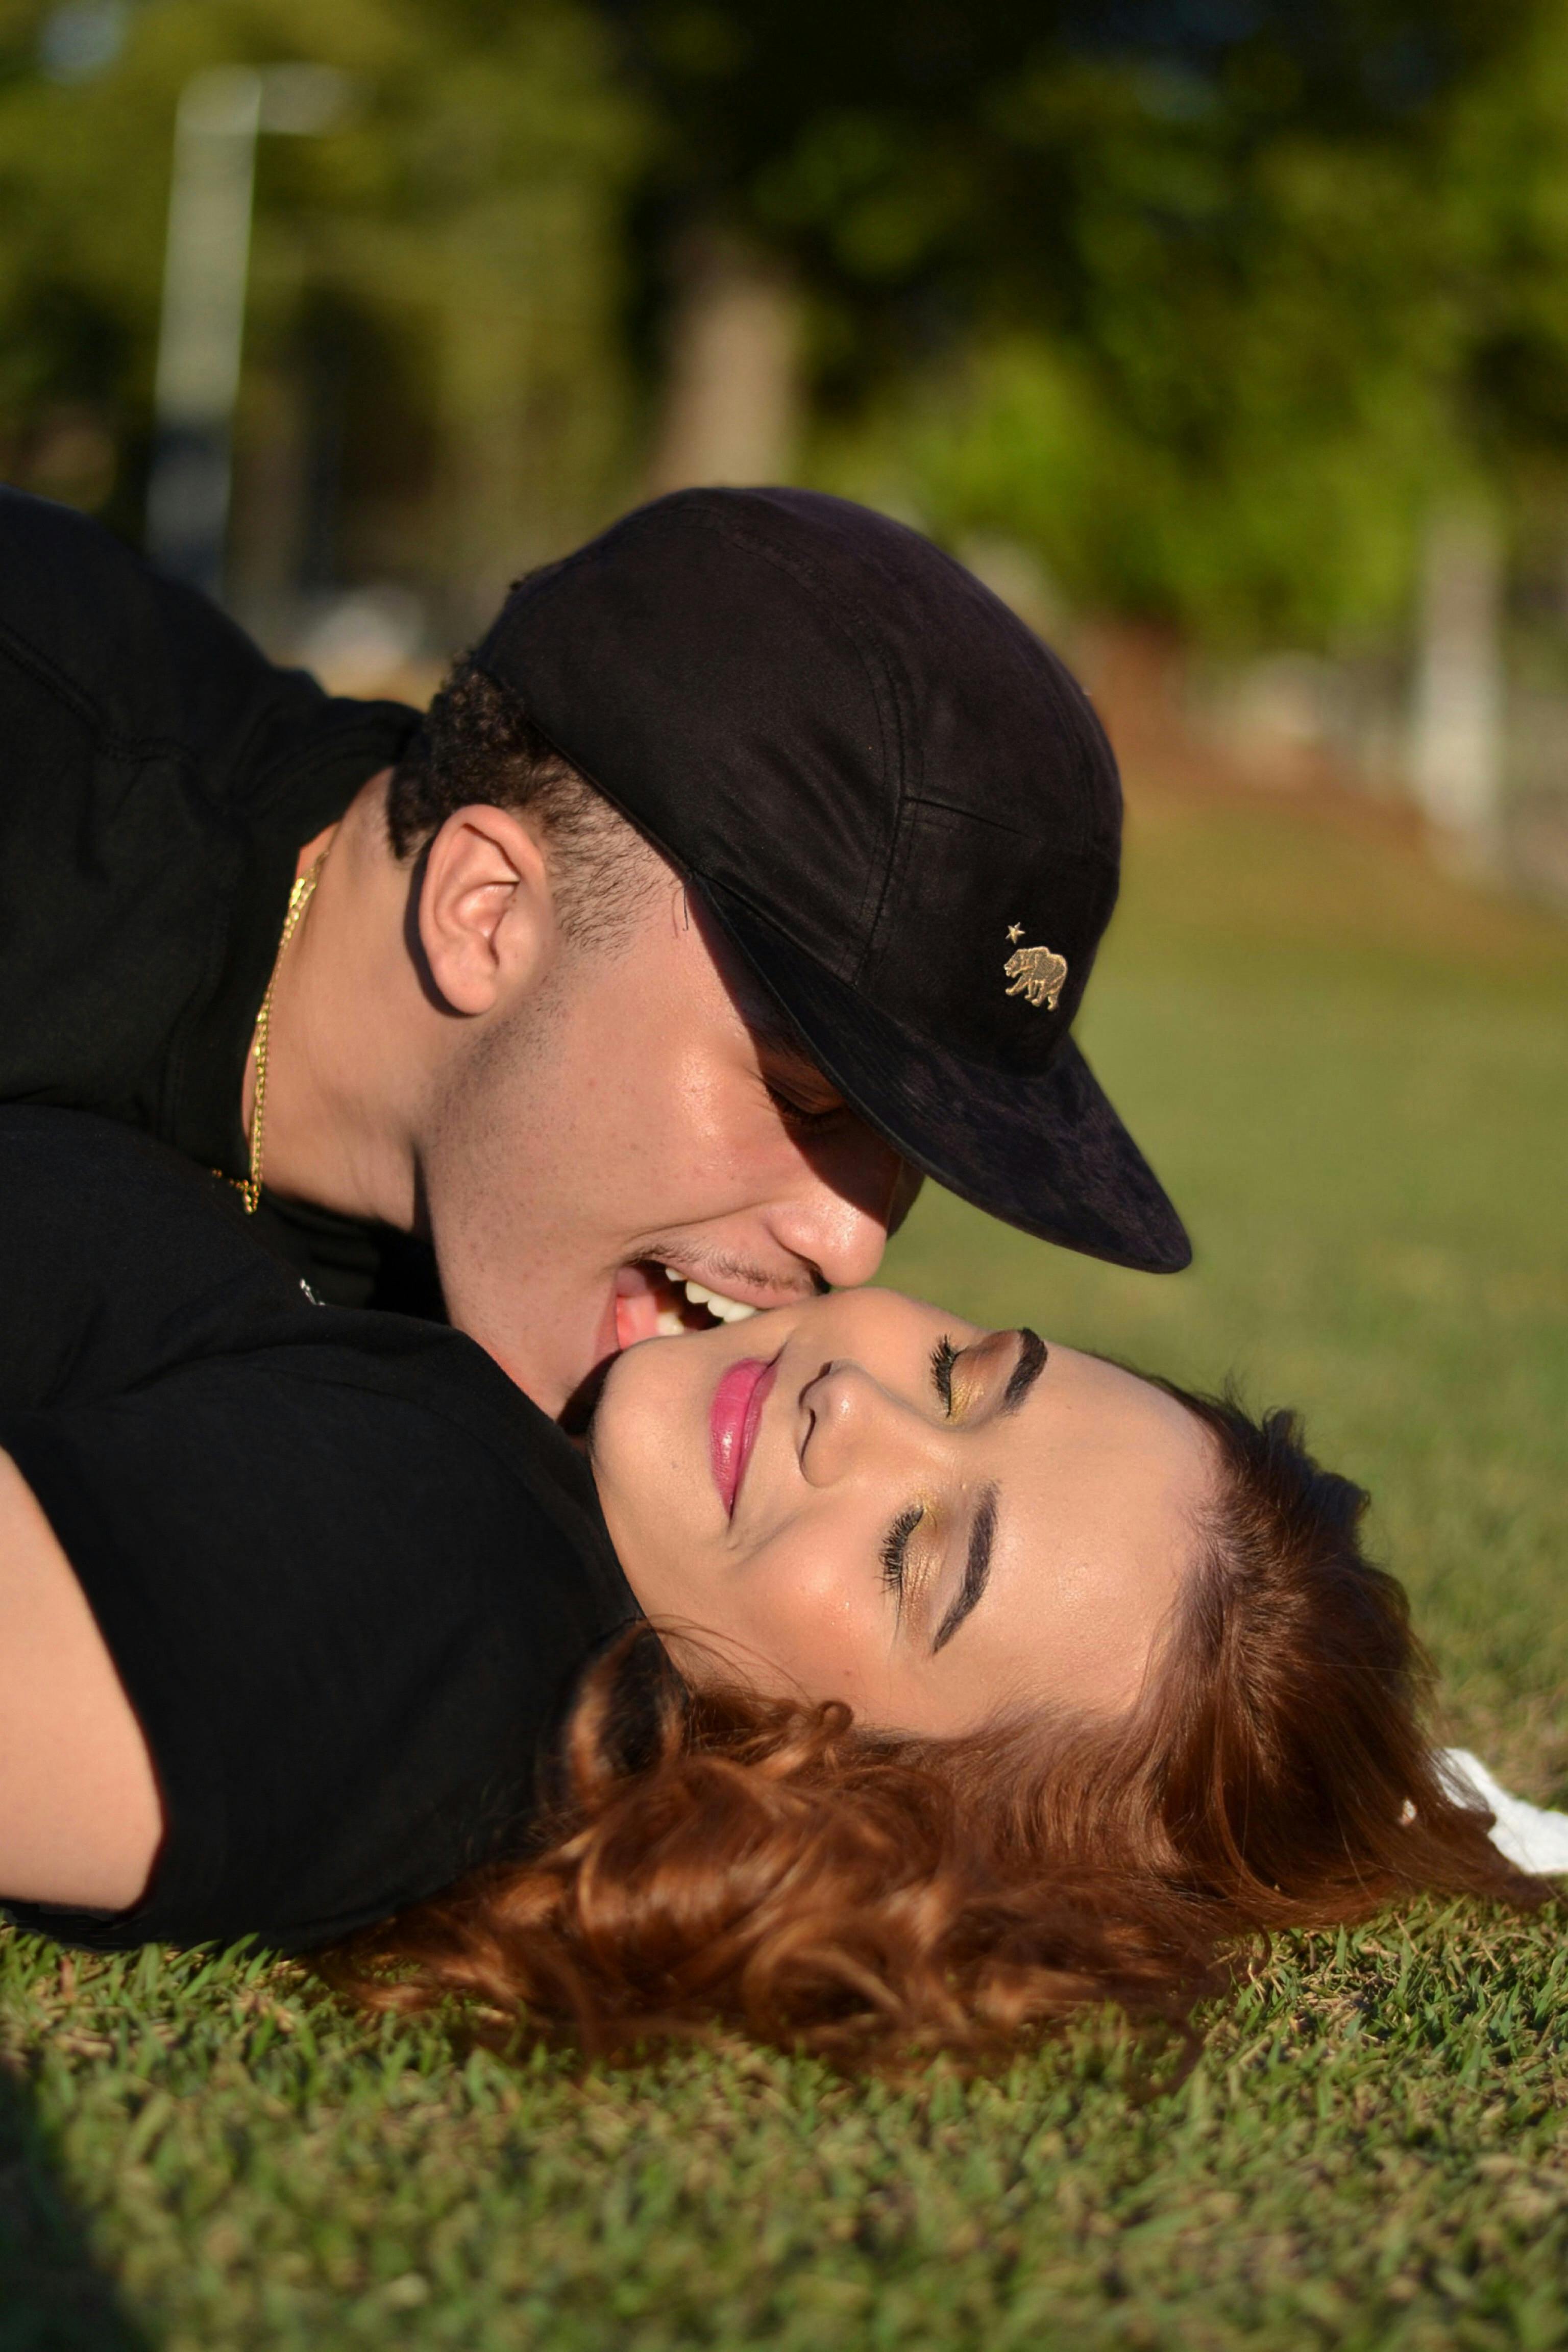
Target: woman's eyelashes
895,1552
944,1357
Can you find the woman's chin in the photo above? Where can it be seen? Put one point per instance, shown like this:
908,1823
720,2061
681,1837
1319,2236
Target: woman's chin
649,1438
645,1395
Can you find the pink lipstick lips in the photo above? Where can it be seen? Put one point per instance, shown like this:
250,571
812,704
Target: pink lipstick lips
733,1421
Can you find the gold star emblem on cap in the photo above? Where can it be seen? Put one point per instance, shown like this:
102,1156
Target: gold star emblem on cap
1037,974
1015,933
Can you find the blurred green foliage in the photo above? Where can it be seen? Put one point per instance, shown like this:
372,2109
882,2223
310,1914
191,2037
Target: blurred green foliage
1230,333
1205,307
444,268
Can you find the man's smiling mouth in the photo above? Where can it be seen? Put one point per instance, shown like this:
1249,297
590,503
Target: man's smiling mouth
697,1294
658,1302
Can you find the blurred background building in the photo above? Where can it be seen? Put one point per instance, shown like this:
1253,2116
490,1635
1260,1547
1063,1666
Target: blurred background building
1227,338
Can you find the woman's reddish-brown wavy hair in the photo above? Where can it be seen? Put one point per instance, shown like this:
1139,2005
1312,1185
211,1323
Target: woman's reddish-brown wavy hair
770,1867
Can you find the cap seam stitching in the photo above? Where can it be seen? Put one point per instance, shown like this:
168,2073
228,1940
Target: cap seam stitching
1080,849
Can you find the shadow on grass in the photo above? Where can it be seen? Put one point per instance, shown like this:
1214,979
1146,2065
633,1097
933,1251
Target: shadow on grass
53,2296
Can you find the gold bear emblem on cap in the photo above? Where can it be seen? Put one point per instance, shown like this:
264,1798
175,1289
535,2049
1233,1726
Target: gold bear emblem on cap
1038,975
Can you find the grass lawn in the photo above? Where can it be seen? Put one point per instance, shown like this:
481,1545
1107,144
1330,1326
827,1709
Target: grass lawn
1353,1075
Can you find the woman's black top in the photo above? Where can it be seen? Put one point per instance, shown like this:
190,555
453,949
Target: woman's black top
347,1572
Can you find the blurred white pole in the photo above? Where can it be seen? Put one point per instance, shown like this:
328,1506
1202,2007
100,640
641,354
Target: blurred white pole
206,265
1457,747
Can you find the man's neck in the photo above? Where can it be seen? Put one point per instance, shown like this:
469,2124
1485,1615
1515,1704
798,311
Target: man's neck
349,1041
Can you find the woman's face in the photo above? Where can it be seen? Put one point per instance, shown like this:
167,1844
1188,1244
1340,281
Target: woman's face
864,1498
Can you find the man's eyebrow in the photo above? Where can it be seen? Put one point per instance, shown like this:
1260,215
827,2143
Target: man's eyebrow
1031,1363
976,1570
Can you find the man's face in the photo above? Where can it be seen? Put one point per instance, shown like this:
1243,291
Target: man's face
638,1114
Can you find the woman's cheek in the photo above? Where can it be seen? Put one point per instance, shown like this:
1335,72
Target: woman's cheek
814,1624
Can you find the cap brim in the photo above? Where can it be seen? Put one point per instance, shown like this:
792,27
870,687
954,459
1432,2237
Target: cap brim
1047,1154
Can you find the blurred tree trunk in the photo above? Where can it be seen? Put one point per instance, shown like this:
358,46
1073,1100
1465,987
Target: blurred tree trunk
480,519
732,396
1457,749
529,396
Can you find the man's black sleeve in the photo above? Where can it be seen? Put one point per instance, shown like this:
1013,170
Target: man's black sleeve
160,777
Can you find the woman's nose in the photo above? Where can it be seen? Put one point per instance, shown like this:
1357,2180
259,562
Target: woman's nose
851,1421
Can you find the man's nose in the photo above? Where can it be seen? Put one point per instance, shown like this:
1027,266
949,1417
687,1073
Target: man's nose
839,1216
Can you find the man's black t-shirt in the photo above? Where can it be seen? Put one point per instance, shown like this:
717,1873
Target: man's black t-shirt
347,1573
160,777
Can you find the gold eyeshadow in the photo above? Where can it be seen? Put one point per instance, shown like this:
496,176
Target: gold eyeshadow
911,1556
965,1373
923,1555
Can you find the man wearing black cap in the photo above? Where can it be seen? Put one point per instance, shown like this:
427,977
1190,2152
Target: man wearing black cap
754,861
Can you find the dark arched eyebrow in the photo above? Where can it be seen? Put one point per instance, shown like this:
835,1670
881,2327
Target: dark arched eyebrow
976,1570
1031,1363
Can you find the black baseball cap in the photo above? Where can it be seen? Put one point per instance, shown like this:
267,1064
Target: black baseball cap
898,804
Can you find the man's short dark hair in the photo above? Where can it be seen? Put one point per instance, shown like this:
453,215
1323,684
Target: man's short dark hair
476,744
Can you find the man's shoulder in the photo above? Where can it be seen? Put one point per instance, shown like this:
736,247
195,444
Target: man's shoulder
83,616
151,666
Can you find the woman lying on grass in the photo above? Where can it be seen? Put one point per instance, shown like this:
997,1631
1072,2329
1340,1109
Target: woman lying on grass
991,1679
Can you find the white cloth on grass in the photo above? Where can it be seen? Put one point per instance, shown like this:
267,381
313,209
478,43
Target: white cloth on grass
1531,1837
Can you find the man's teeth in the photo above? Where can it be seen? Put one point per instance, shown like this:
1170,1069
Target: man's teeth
727,1310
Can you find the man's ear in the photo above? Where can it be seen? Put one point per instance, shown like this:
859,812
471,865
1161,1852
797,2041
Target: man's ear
487,914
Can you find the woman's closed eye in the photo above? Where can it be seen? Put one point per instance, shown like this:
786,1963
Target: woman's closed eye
895,1547
944,1357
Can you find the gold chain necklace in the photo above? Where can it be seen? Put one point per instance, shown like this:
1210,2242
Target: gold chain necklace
300,896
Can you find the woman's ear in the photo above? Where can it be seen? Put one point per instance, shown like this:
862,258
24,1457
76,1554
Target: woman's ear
485,915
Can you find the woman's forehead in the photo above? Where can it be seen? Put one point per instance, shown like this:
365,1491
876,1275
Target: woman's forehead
1083,1383
1099,1507
1100,1461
